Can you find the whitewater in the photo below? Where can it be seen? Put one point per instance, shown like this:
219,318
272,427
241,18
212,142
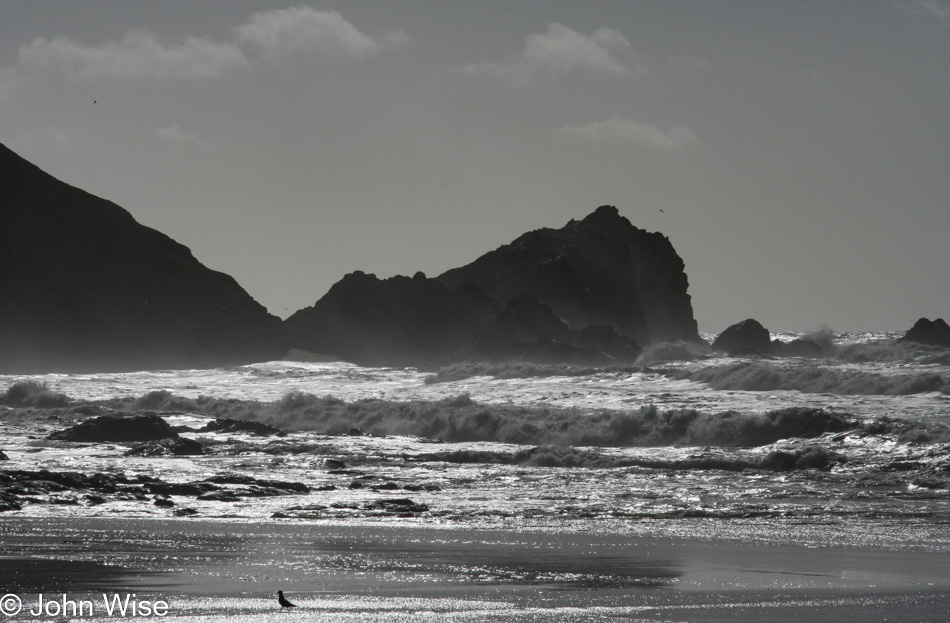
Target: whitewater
852,451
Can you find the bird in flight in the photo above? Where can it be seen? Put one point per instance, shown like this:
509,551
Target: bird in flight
283,601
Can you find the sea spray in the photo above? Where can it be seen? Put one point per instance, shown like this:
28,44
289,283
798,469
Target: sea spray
760,376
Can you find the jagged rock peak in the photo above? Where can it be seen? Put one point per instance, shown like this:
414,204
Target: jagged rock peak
600,270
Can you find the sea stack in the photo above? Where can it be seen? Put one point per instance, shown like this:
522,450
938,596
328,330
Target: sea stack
591,293
600,270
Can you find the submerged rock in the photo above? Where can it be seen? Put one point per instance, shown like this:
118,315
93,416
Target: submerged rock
3,456
930,332
798,348
743,338
105,428
397,506
227,425
164,447
86,287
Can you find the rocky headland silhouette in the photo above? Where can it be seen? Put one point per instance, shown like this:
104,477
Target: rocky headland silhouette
84,287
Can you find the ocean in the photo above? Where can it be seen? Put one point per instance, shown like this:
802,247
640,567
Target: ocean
689,472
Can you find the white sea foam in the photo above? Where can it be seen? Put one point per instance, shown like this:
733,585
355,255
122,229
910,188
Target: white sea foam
848,449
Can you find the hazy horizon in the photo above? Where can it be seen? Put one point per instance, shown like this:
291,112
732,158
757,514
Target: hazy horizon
795,154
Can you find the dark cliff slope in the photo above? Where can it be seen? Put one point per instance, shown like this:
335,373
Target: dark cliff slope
83,286
598,271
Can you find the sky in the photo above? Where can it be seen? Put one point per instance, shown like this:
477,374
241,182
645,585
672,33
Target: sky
796,154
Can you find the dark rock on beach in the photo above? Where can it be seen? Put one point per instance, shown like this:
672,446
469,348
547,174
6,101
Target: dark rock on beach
930,332
397,506
744,338
238,479
21,486
85,287
108,428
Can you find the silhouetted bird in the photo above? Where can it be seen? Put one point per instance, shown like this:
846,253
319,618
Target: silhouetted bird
283,601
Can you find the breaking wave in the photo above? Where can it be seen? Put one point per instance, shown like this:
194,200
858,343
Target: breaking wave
516,370
809,457
460,419
760,376
893,351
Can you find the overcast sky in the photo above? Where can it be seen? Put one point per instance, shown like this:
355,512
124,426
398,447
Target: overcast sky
797,154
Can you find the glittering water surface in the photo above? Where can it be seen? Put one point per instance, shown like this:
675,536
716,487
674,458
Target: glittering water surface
850,451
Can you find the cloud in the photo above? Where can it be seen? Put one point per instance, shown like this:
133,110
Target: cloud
173,134
284,34
562,50
280,35
622,131
929,8
138,54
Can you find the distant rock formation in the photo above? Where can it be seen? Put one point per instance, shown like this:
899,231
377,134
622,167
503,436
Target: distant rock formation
589,293
931,332
85,287
749,337
597,271
395,321
744,338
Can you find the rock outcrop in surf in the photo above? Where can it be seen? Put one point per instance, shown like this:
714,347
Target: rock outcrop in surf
589,293
85,287
749,337
744,338
930,332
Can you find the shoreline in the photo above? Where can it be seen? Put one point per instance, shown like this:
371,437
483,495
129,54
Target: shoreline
381,571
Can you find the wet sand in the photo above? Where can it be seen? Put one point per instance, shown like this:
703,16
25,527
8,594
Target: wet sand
209,570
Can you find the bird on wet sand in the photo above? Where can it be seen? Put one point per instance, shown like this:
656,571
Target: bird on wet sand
283,601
